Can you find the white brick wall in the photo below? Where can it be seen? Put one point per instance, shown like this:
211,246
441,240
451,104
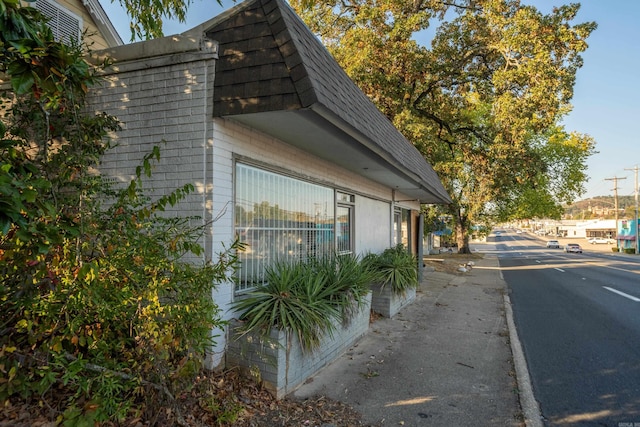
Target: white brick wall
388,304
155,105
170,104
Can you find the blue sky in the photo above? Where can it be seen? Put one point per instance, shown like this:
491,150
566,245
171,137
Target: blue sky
606,103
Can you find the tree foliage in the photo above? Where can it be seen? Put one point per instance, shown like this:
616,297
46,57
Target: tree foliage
483,102
147,16
96,294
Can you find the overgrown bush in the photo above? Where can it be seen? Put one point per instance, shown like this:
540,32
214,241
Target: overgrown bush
395,267
103,307
305,298
114,313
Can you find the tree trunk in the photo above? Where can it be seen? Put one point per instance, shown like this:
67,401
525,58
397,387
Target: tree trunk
462,236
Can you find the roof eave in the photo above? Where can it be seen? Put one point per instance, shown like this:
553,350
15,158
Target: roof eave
320,133
103,22
435,192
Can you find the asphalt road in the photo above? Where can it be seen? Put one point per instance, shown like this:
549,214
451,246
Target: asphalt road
578,318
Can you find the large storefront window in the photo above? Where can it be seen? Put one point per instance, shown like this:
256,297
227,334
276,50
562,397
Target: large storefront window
280,218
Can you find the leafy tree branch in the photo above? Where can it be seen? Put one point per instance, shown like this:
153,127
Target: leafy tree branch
483,102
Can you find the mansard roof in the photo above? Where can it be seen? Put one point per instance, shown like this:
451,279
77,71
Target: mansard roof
275,75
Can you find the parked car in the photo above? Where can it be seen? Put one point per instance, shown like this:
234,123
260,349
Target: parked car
553,244
600,240
573,247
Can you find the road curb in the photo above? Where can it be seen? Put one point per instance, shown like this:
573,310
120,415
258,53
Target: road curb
530,407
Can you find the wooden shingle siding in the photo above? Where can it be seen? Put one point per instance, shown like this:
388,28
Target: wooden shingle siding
252,75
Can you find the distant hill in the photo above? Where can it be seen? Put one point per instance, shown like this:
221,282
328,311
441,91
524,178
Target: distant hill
601,207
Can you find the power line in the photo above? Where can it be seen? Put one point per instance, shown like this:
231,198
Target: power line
615,193
635,219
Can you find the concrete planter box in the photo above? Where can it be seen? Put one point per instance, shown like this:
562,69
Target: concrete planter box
282,371
387,303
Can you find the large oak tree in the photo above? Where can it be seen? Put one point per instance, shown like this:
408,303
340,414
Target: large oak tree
483,102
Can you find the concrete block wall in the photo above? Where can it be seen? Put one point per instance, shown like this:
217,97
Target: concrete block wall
269,357
167,102
164,106
387,303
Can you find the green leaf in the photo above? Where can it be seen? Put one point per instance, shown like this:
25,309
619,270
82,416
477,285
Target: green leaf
29,195
22,83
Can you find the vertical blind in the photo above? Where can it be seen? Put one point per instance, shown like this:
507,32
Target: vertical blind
279,218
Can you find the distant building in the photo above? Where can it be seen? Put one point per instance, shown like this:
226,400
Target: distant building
586,229
627,233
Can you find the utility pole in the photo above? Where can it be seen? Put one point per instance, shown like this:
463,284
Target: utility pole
615,193
635,219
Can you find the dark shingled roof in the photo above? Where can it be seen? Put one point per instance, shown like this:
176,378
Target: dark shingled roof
269,61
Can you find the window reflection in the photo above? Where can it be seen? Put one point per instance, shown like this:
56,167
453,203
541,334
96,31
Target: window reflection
343,229
279,218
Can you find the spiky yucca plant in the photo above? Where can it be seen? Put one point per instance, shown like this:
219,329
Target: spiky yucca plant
395,267
305,298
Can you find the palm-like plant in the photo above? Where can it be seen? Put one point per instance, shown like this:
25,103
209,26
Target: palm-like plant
305,298
395,267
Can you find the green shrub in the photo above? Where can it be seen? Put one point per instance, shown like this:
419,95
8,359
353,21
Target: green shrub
615,249
305,298
102,312
629,250
396,268
349,280
116,310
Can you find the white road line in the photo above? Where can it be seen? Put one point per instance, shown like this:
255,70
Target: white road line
559,269
632,298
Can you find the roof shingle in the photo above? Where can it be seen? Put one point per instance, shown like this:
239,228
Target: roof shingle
270,61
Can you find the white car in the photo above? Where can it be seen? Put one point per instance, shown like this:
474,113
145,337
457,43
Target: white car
553,244
573,247
600,240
